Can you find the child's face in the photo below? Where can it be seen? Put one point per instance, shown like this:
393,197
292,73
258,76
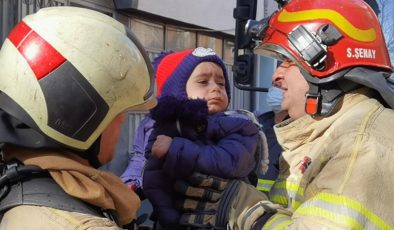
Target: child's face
207,82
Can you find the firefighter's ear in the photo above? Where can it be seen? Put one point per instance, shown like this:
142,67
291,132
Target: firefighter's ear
109,138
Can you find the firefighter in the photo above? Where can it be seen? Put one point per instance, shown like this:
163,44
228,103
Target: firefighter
336,169
67,76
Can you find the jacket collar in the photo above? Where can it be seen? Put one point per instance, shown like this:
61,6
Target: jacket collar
291,133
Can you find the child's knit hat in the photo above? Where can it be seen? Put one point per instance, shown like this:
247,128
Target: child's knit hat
173,69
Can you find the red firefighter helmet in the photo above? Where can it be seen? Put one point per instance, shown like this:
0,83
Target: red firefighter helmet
328,40
325,37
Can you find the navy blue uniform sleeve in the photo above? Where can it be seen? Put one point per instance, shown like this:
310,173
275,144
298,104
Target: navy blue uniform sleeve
230,156
275,150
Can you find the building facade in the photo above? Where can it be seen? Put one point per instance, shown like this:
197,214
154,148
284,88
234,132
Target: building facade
161,26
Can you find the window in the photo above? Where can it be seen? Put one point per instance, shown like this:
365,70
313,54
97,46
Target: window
96,7
151,35
211,42
177,39
228,52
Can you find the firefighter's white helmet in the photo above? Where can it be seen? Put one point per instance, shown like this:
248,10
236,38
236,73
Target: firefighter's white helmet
67,72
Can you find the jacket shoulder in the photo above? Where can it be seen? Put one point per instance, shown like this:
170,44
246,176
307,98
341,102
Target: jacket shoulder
234,122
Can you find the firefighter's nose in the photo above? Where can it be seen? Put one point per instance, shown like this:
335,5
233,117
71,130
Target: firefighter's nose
277,78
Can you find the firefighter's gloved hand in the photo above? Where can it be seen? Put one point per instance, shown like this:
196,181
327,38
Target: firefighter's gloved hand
212,202
202,194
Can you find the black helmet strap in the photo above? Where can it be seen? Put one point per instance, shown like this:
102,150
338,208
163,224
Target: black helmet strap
321,99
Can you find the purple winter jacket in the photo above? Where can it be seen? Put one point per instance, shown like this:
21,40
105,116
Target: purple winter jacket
133,173
225,150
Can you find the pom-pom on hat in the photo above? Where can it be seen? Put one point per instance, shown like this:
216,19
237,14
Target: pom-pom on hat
173,69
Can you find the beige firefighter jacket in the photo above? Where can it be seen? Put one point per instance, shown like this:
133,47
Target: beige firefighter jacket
72,173
337,172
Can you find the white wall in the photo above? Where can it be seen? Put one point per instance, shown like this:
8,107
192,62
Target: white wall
212,14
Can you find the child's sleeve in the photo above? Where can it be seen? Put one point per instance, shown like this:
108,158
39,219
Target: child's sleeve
232,154
132,176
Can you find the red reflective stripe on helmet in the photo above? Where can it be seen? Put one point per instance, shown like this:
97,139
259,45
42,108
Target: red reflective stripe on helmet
19,33
38,53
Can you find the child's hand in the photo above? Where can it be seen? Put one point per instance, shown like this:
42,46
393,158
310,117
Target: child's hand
132,187
161,145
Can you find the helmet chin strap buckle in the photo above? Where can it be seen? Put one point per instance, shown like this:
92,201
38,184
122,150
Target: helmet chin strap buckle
321,100
313,100
312,105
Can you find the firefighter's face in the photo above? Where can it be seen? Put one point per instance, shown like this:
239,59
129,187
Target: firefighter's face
109,139
289,78
207,82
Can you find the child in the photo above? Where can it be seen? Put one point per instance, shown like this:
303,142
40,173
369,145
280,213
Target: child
192,132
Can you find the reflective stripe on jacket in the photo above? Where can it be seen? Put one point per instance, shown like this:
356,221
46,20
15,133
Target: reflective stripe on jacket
266,180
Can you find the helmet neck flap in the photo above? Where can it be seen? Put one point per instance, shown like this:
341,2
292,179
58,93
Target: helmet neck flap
25,134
